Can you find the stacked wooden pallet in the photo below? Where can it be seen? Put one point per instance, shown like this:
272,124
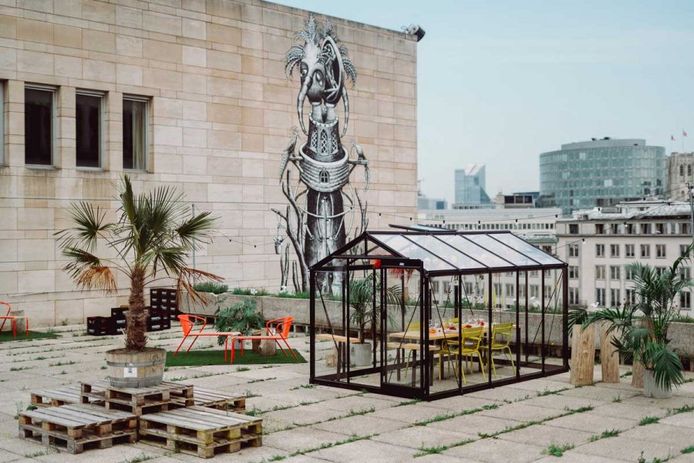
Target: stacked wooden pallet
215,399
201,431
75,428
138,401
177,416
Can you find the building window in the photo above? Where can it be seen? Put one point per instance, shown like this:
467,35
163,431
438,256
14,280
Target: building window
534,291
630,229
614,228
599,229
614,272
645,228
600,296
629,250
660,270
630,297
573,296
614,297
134,133
660,251
599,272
573,272
89,115
599,250
685,273
660,229
510,290
628,272
681,170
573,250
614,250
573,229
683,249
684,228
646,251
689,170
686,300
39,116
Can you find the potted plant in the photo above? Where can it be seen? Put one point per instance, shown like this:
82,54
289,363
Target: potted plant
151,237
242,317
641,329
361,294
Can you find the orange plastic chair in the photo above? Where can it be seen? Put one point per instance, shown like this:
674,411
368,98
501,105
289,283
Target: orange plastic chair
13,320
188,323
275,330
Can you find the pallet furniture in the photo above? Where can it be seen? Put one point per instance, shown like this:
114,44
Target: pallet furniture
166,300
75,428
276,330
138,401
157,320
201,431
65,395
216,399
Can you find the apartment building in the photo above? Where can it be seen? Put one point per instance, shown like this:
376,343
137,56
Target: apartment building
599,245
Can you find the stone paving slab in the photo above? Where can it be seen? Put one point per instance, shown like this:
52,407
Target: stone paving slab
410,413
623,410
680,420
626,448
561,402
301,439
544,435
600,393
503,394
521,412
663,433
574,457
593,423
360,425
365,451
357,402
475,423
423,436
465,402
496,451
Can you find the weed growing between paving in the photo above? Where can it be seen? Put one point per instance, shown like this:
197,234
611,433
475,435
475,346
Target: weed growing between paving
424,451
648,420
689,449
604,435
557,450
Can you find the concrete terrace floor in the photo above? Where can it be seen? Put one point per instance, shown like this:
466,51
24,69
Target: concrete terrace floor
511,424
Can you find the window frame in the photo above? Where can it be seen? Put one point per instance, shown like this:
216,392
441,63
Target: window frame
647,254
102,123
147,102
53,90
658,249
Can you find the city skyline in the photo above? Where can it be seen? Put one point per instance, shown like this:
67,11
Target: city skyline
578,71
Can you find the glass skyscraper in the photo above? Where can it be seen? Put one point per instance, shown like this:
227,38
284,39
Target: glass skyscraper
470,185
601,173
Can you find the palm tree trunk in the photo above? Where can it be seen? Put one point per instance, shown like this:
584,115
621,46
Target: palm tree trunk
136,337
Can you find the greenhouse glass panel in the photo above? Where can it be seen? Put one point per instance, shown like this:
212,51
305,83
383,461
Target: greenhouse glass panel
527,249
410,250
474,251
501,250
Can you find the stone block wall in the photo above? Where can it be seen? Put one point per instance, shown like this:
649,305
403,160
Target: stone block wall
220,113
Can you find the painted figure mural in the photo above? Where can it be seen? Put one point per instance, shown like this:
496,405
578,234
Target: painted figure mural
322,203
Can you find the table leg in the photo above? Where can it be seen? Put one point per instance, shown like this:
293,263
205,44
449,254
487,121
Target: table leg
414,368
397,359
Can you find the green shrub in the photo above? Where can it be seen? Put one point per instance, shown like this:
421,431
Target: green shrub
241,316
211,287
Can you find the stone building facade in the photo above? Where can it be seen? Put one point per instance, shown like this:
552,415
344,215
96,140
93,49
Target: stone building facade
216,111
680,177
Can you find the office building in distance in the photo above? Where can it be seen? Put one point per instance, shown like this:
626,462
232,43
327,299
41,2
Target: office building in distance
470,188
601,173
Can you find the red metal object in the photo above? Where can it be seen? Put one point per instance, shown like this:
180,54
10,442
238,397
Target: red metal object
377,263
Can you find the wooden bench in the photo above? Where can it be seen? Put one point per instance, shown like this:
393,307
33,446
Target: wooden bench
75,428
411,348
201,431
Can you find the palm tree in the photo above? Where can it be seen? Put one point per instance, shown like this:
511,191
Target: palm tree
642,329
361,293
153,235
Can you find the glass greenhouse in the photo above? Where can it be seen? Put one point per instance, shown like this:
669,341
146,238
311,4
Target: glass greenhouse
431,314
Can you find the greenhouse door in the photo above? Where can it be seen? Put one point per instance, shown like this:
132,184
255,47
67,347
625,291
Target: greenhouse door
401,335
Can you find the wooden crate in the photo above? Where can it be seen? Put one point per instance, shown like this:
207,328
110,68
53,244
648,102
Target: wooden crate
76,428
65,395
201,431
214,399
138,401
165,299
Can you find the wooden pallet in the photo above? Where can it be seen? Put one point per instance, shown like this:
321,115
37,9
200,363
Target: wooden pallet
214,399
65,395
138,401
201,431
76,428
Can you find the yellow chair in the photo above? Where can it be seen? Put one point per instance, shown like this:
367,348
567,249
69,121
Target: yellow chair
471,339
502,333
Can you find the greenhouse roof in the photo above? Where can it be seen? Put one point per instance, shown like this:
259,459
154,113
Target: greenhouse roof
451,252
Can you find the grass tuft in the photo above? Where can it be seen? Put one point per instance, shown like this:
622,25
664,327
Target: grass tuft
648,420
604,435
557,450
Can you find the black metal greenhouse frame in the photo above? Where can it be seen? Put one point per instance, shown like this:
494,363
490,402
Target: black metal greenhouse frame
345,262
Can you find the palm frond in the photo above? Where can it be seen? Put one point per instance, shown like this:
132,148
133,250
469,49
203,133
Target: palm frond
90,222
188,276
195,229
97,277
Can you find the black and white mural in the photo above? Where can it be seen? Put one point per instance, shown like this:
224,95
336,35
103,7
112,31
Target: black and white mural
323,207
